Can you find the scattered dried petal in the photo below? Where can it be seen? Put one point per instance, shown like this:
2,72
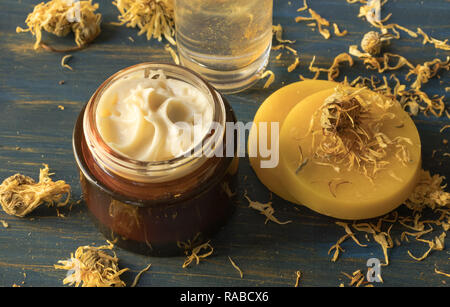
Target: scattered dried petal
438,44
371,43
236,267
429,192
304,7
339,32
63,61
270,79
173,54
265,209
320,21
136,279
349,232
278,31
297,280
155,18
334,184
350,136
195,253
294,65
357,278
441,273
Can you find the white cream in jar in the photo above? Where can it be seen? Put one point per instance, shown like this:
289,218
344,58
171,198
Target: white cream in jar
152,118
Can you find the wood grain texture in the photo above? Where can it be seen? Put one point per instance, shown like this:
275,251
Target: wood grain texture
33,130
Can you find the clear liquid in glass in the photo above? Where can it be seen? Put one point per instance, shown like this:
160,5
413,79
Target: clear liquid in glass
227,41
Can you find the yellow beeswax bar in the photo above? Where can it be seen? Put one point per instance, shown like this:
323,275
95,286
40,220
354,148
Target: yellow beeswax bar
334,190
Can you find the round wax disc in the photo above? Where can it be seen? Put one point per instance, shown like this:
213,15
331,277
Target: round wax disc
274,109
345,194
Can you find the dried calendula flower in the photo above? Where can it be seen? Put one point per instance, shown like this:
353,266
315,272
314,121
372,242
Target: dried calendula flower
60,17
429,192
138,276
20,195
265,209
441,273
350,133
155,18
92,267
371,43
337,247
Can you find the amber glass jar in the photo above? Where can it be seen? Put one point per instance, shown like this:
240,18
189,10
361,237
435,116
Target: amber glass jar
155,207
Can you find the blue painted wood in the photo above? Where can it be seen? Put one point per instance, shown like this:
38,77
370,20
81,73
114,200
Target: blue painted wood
33,130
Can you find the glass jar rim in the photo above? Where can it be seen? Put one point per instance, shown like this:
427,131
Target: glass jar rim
155,171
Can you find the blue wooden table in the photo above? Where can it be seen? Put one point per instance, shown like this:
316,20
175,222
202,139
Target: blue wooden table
35,130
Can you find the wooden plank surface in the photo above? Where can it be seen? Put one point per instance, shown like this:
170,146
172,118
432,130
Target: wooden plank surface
33,130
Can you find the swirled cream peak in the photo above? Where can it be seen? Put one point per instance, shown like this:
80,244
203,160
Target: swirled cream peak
152,118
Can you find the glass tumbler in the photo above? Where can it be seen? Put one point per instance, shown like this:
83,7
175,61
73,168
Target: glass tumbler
226,41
